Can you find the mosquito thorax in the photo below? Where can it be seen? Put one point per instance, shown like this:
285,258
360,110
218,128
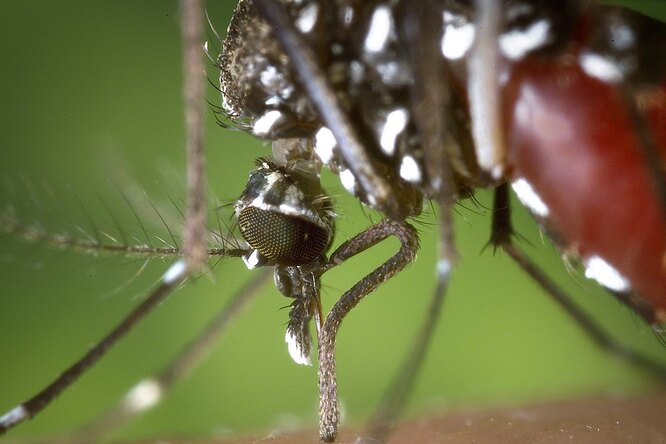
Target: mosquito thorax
260,91
282,220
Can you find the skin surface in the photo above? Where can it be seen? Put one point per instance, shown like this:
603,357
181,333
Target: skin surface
590,421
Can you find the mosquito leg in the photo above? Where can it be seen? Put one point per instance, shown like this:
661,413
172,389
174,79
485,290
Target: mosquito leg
151,390
419,26
501,238
396,398
329,415
174,276
193,68
401,386
195,231
483,89
30,408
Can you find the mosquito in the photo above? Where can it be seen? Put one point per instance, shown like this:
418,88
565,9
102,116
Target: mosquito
350,236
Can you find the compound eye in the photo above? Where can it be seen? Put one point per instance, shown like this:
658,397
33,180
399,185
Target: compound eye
282,239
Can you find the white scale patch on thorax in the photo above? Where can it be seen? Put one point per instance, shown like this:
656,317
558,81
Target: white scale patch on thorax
381,28
307,18
276,86
263,125
516,43
410,170
458,36
396,121
324,144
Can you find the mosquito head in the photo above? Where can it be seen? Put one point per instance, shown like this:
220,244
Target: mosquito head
282,220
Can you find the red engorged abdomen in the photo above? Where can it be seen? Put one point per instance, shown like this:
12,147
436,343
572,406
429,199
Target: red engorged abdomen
570,136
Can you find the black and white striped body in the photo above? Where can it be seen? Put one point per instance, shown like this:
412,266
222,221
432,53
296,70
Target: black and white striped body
370,53
368,59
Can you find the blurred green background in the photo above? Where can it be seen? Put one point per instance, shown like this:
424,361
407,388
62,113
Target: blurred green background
90,95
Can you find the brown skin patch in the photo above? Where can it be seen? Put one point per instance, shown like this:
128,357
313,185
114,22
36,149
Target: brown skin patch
600,420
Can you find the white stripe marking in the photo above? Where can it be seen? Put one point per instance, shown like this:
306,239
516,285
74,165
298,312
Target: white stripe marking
396,121
307,18
299,355
143,396
410,170
14,416
175,272
601,271
458,37
324,144
381,25
600,67
264,124
252,260
529,197
518,42
348,180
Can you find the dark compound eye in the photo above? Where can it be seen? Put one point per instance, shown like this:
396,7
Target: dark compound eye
281,238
